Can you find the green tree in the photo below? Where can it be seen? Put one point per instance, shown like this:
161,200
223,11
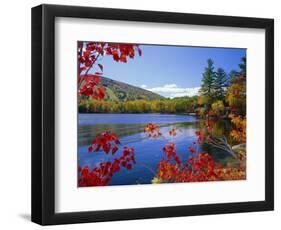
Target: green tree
208,79
207,87
220,83
242,66
232,77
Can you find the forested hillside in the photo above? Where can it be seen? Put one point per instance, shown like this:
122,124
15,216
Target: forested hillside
119,91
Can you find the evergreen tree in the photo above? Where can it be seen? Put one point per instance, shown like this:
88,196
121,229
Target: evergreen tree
220,83
232,76
208,80
242,66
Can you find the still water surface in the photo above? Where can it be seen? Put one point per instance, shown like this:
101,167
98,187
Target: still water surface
129,129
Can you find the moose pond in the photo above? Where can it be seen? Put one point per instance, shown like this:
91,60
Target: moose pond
148,151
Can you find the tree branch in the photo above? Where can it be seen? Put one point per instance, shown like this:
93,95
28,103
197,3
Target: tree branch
221,143
94,61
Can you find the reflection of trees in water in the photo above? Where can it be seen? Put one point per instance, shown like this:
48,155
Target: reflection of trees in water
220,141
88,132
220,128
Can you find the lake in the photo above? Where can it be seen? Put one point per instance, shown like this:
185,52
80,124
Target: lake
129,129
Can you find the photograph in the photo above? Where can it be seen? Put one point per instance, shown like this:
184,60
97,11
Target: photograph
141,114
153,114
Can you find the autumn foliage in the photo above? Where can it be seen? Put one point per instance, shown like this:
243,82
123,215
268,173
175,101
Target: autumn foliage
102,174
199,165
239,133
170,152
152,130
106,141
89,55
89,85
173,132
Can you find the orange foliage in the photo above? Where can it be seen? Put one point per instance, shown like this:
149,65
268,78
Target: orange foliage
173,132
239,133
89,54
102,174
106,141
200,166
152,130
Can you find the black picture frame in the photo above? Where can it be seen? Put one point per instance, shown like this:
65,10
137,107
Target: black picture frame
43,114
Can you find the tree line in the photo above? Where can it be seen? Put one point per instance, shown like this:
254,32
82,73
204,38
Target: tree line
220,94
176,105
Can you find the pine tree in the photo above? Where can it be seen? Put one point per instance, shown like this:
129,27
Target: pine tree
220,83
242,66
208,80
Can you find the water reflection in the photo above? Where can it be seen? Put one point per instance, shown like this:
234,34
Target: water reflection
148,152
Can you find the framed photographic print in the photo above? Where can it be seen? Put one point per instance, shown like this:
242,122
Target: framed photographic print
142,114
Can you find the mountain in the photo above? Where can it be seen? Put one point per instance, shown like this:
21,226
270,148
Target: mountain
119,91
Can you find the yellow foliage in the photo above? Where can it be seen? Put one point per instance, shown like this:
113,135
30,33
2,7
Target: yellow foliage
239,133
203,100
231,173
236,95
156,180
218,107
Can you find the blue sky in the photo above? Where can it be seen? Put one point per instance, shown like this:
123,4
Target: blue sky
171,70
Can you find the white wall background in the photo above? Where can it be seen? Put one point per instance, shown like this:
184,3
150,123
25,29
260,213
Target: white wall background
15,114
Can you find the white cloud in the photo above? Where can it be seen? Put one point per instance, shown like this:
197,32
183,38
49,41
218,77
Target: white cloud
172,90
144,86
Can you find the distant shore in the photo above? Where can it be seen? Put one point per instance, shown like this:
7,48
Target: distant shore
189,114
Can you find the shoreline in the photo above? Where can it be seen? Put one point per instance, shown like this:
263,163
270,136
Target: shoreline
189,114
